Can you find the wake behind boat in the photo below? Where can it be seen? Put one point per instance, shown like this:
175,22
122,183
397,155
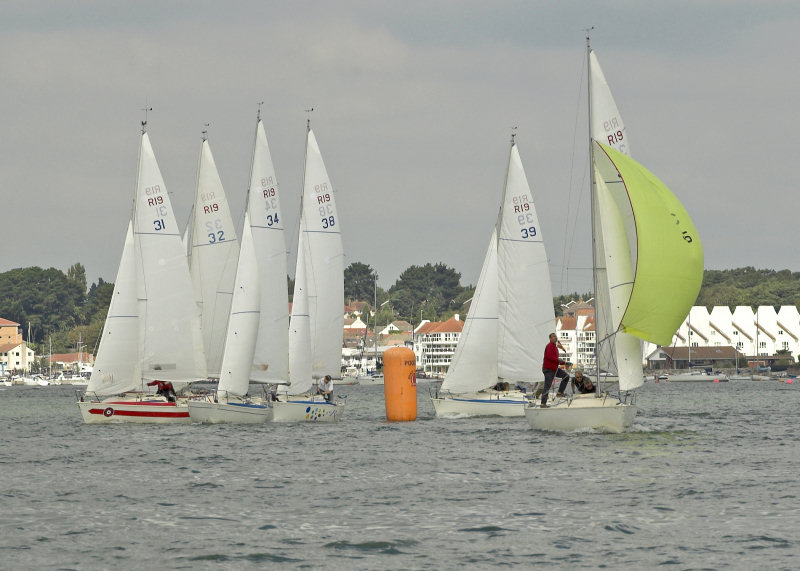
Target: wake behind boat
512,308
647,269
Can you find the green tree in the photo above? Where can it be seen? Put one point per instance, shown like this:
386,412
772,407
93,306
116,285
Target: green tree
359,282
432,288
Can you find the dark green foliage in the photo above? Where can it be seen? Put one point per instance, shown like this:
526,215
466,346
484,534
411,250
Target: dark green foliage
58,308
359,282
432,288
749,286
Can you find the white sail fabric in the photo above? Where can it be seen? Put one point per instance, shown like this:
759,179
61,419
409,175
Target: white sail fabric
271,357
525,295
324,264
607,126
117,367
242,330
620,274
300,325
172,347
213,257
615,350
474,363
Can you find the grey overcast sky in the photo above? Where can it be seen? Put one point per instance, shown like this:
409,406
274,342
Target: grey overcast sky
414,103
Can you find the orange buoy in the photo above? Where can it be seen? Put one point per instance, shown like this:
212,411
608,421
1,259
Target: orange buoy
400,384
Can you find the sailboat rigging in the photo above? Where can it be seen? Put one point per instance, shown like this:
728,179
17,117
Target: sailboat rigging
512,308
647,269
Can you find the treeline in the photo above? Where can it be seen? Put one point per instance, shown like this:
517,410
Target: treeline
749,286
55,308
58,308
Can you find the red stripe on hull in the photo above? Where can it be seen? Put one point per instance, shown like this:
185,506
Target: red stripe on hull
147,413
141,403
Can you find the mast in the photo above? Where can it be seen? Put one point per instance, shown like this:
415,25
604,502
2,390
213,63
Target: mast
592,211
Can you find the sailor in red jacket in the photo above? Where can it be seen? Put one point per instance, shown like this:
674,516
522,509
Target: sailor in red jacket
550,368
164,388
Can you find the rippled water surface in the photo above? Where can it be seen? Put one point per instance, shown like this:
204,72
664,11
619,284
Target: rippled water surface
706,479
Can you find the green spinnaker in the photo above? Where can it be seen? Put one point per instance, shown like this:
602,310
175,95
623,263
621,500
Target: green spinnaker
669,262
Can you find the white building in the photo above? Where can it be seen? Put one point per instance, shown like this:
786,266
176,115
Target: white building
760,332
434,345
16,357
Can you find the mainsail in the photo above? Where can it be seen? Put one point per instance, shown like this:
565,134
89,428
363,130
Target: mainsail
212,260
172,345
324,264
152,329
512,310
271,356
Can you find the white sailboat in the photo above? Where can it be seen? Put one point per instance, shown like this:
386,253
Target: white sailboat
229,403
648,267
152,331
256,346
212,258
317,320
511,311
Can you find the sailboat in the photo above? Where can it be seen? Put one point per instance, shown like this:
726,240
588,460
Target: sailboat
152,330
511,311
647,270
257,340
212,258
317,318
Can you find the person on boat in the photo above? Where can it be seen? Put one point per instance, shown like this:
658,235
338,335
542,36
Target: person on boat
325,388
164,389
551,367
581,384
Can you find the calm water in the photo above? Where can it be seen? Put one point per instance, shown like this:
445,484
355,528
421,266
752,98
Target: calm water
706,480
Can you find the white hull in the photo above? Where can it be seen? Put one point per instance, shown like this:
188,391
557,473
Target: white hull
480,404
370,380
210,412
117,410
697,378
306,410
582,412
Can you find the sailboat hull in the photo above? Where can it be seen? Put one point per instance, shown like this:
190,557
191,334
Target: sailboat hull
480,404
581,412
306,410
369,380
116,411
207,411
